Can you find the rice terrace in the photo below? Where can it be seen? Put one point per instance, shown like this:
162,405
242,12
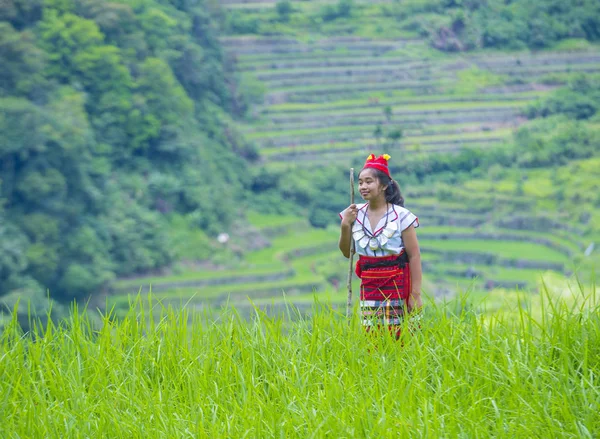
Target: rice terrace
172,177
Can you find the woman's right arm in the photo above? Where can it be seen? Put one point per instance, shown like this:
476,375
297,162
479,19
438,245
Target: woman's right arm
348,218
345,236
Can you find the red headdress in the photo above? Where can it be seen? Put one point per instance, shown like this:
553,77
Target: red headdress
380,163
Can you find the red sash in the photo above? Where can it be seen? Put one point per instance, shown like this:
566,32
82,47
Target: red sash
383,283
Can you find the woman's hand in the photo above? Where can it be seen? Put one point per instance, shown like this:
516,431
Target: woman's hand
414,303
411,245
349,215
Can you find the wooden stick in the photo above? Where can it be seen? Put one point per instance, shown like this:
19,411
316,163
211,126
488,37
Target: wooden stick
352,251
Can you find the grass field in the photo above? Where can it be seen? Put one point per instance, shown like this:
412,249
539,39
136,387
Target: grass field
531,370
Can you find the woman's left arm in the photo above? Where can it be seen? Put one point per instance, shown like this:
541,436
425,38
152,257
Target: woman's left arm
411,246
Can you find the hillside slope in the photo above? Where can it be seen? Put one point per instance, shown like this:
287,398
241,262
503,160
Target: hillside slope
112,114
503,199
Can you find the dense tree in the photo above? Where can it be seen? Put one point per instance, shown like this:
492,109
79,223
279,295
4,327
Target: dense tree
22,64
580,100
465,25
113,116
20,13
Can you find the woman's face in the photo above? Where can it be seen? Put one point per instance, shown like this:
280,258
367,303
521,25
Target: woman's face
369,186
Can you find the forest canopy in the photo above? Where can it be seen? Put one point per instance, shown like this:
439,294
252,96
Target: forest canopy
448,25
517,24
113,114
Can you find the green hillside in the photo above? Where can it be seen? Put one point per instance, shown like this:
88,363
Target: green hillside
509,241
137,132
112,117
504,200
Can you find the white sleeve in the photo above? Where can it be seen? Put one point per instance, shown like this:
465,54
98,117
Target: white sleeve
406,219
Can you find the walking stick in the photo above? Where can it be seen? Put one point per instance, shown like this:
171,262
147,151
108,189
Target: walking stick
349,301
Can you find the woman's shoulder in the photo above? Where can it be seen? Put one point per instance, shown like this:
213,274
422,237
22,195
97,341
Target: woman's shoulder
405,217
400,210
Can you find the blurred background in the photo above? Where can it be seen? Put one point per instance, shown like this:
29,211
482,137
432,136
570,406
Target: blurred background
200,149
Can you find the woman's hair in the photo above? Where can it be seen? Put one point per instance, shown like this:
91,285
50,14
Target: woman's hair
392,192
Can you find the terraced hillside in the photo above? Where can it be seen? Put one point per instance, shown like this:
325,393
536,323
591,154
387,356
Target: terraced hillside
337,96
341,95
494,247
296,262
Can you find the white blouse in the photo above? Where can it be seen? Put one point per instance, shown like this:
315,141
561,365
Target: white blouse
387,237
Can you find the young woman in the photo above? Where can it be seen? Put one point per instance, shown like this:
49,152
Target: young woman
385,239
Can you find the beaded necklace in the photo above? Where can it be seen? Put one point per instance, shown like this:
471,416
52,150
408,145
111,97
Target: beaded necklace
373,241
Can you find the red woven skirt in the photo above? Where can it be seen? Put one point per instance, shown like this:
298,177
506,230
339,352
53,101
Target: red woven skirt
383,291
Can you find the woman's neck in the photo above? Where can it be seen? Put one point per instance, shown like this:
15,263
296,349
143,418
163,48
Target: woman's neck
377,204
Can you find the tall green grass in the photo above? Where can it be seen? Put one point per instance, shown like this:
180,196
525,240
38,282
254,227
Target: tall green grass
533,371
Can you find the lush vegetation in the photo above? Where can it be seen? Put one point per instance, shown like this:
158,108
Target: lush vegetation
498,24
492,147
553,140
449,25
579,100
116,129
515,206
530,370
122,151
133,132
